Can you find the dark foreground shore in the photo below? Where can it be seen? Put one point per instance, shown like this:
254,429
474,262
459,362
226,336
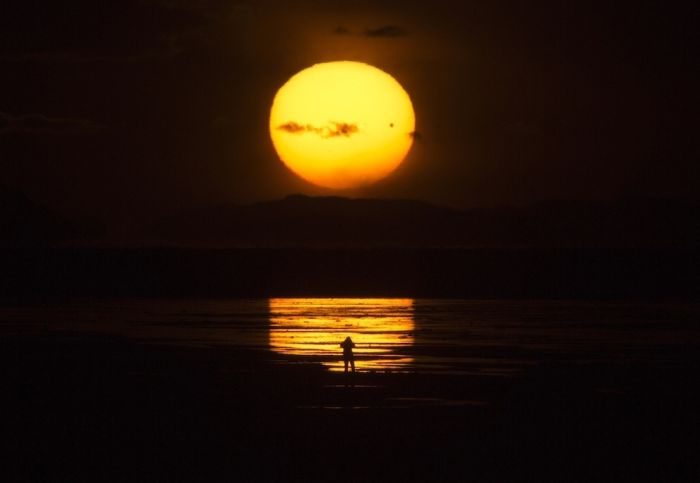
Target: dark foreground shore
80,407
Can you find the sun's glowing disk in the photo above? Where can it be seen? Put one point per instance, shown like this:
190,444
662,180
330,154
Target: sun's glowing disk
342,124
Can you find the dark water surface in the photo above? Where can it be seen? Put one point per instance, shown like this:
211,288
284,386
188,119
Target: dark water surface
447,390
495,337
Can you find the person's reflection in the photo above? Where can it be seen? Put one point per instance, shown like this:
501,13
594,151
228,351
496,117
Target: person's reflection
348,355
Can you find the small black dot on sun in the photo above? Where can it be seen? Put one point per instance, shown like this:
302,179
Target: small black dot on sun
391,125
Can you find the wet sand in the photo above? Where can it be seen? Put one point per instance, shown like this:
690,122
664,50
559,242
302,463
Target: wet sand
89,407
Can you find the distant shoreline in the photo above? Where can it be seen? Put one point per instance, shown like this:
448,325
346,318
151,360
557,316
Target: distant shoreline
594,273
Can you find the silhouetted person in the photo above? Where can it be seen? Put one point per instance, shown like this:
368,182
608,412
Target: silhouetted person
348,355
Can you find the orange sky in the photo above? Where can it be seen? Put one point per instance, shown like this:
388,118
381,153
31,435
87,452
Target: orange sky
148,106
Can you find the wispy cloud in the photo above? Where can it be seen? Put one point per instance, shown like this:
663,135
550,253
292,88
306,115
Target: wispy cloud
78,57
330,130
387,31
41,124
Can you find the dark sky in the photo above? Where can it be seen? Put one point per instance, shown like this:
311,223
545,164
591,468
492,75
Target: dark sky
116,109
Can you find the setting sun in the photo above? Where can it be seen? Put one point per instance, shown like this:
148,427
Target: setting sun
342,125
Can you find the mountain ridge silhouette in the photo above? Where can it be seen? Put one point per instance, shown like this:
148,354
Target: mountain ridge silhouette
338,221
22,221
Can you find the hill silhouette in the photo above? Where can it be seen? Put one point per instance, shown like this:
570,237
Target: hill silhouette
303,246
339,222
25,222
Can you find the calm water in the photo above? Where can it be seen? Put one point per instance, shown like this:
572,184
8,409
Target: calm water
481,337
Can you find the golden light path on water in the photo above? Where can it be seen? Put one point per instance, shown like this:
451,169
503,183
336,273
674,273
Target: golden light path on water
315,327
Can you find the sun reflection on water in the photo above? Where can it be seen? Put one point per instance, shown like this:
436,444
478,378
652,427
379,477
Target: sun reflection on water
314,328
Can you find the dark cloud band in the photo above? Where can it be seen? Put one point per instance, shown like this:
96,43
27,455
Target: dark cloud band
386,31
39,123
332,130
